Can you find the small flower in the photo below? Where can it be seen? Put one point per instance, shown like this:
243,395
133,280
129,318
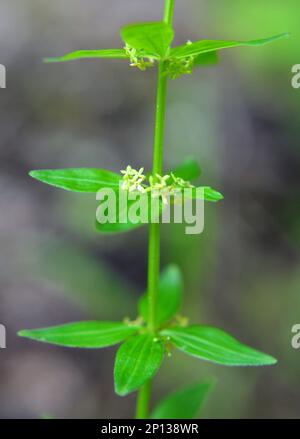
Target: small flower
127,172
177,67
160,182
133,179
160,188
180,182
137,59
159,185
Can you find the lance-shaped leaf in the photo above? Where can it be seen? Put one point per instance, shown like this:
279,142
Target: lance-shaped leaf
215,345
205,46
78,179
207,193
189,170
169,296
153,39
183,404
83,334
137,361
86,54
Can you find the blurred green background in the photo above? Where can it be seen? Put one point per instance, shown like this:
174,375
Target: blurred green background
240,120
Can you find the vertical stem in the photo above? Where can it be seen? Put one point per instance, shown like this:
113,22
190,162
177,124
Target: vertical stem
142,406
154,229
169,12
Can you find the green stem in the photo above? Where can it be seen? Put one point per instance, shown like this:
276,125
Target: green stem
144,395
154,229
142,407
169,12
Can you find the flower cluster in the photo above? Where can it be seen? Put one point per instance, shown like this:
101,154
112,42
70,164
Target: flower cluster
159,186
137,58
174,67
181,183
177,67
133,180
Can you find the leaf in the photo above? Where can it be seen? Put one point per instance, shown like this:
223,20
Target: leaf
183,404
109,228
137,361
152,38
85,54
78,179
169,297
82,334
206,59
210,194
205,193
189,170
205,46
217,346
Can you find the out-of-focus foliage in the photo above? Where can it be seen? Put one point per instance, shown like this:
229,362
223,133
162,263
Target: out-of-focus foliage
183,404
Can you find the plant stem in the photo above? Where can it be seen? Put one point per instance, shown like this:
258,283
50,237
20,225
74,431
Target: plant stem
169,12
154,229
142,407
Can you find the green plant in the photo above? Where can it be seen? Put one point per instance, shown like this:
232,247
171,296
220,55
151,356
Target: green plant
158,328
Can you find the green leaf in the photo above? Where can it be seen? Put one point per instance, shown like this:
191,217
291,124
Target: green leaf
169,297
83,334
206,194
189,170
109,228
210,194
205,46
78,179
137,361
206,59
217,346
183,404
152,38
85,54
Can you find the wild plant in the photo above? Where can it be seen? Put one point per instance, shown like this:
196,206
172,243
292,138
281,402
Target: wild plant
158,328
